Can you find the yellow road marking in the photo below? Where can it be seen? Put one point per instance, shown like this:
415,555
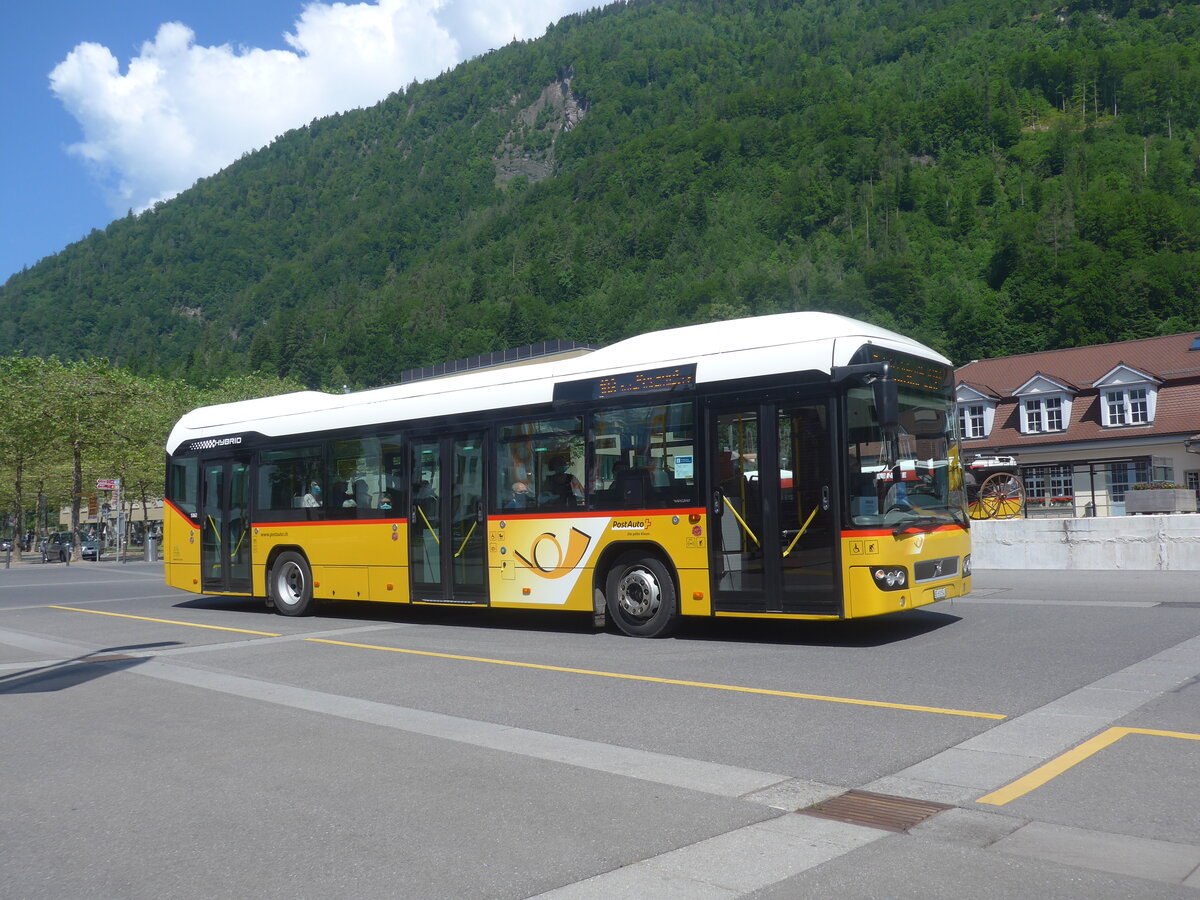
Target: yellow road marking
524,665
650,678
1072,757
99,612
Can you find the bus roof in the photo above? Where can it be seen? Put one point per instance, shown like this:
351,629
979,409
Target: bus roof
721,351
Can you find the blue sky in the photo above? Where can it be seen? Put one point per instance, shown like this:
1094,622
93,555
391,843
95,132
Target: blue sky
135,112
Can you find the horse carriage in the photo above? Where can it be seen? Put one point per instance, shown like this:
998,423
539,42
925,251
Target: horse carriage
994,489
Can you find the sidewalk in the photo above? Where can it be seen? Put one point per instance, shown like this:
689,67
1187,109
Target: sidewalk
34,558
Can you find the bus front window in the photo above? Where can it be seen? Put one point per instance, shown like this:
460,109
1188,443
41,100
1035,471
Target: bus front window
911,478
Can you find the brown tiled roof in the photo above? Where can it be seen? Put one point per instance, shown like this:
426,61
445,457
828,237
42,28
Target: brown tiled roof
1166,359
1163,357
982,388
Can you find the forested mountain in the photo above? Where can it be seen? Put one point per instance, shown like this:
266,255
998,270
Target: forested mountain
992,176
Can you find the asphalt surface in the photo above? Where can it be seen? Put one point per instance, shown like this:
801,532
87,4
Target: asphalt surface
158,744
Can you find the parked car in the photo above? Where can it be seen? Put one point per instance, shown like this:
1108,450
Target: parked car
6,544
57,547
89,547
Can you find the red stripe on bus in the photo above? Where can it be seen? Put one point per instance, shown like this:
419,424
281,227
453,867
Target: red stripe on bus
181,513
310,522
883,532
595,513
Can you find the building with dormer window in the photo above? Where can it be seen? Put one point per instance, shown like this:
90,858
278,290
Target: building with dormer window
1045,404
1085,424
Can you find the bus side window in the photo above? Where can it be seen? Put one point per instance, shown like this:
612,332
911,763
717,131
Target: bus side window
185,486
644,457
539,465
285,478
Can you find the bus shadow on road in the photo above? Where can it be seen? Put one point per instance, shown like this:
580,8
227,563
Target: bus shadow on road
227,604
874,632
870,632
70,673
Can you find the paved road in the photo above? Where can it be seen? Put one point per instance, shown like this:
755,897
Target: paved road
160,744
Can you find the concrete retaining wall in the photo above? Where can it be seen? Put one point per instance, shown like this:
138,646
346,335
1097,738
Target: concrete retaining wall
1154,543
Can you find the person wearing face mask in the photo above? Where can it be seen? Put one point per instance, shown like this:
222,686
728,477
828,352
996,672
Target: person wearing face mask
520,496
312,499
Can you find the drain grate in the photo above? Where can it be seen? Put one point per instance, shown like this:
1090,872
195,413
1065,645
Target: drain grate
875,810
109,657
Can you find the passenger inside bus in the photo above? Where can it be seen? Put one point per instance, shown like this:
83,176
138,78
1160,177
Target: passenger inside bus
340,494
520,496
312,499
561,487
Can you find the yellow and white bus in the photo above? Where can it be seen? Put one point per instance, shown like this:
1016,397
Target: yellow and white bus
792,466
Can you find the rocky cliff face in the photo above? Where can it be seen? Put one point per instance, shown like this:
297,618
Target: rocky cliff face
528,148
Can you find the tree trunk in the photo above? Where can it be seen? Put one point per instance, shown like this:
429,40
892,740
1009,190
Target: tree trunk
18,537
76,494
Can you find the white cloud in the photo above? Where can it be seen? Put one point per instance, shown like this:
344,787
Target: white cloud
182,111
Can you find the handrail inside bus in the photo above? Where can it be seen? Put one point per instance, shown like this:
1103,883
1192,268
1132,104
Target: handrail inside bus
463,546
432,530
729,506
234,553
800,533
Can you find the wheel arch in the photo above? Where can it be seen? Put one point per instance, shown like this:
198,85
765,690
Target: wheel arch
276,552
617,549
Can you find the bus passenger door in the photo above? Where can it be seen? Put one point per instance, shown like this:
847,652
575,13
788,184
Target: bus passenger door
225,526
447,531
772,503
736,531
809,579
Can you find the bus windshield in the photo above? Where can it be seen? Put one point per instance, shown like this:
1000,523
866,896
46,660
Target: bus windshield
911,479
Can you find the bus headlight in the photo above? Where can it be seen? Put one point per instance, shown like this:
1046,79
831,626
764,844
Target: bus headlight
890,578
967,566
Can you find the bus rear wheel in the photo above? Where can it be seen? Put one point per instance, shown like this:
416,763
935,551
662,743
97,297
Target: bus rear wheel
640,595
290,584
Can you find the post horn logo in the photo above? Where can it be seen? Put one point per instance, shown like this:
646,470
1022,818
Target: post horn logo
552,562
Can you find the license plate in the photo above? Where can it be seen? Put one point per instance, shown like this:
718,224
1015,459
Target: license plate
939,593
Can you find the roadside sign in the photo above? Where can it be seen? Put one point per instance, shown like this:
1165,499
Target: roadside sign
107,484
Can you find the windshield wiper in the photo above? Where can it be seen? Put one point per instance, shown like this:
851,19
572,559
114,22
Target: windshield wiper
918,524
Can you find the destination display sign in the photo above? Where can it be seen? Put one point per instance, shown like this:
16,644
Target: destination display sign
907,371
628,384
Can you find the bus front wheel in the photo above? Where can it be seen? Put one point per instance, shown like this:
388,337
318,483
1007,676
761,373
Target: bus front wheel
290,584
640,595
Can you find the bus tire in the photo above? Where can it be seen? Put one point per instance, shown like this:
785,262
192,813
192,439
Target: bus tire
290,585
640,596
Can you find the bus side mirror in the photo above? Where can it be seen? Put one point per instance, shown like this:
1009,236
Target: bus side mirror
883,389
887,403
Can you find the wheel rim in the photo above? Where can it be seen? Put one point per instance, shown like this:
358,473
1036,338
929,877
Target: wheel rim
639,594
290,584
1005,495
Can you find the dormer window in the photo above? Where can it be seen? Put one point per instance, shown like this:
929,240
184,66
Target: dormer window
976,411
1045,404
1129,407
1043,414
1127,397
970,421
